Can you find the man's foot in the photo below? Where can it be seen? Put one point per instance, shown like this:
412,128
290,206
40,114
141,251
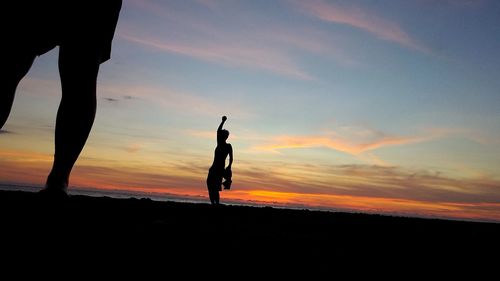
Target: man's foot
54,189
53,193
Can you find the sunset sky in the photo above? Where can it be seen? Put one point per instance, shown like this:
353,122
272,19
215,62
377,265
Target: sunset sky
372,106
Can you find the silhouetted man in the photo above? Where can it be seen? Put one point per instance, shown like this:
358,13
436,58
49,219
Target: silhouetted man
83,30
217,170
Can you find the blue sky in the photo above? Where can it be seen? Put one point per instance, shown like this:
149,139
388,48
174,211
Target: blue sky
401,88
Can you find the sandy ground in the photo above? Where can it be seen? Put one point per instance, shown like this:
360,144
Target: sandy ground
174,235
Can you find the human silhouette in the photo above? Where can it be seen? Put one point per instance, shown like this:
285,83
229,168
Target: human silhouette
218,171
84,31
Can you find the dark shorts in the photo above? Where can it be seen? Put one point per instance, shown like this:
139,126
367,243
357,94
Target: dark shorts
214,179
37,26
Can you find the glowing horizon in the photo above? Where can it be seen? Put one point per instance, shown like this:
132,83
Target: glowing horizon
345,105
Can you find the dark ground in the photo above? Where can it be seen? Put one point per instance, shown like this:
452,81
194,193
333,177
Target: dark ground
174,234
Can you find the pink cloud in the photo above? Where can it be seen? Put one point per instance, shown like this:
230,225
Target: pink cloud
361,19
255,45
261,58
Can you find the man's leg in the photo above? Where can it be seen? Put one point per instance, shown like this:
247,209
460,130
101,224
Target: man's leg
76,113
216,197
211,196
16,67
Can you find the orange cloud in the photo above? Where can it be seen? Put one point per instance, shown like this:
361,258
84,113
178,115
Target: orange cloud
362,19
16,155
24,166
287,142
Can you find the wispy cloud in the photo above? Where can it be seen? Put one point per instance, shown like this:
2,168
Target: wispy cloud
24,166
269,46
243,56
25,156
350,140
362,19
395,183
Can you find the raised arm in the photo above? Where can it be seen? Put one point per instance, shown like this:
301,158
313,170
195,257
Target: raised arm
224,118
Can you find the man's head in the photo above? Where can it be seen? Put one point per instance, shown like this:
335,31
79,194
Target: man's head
222,135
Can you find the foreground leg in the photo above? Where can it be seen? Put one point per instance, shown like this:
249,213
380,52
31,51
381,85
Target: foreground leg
76,112
16,67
